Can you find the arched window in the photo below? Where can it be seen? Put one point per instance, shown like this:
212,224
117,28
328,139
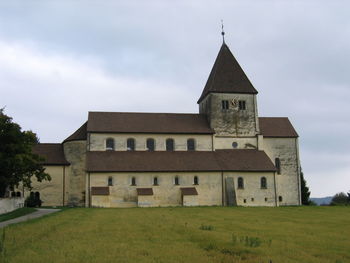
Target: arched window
110,181
240,183
278,165
280,199
195,180
176,180
150,145
133,181
263,183
18,194
170,144
110,144
155,180
191,145
130,144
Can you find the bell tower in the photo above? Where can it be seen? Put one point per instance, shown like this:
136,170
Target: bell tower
229,98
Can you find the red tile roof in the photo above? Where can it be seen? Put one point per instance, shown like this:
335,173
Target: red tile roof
227,76
188,191
124,122
277,127
144,191
100,190
178,161
78,135
51,152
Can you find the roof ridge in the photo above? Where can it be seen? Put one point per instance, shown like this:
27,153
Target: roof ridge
128,112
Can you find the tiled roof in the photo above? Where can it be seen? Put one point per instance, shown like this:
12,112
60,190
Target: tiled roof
227,76
178,161
51,152
144,191
79,134
100,190
277,127
124,122
188,191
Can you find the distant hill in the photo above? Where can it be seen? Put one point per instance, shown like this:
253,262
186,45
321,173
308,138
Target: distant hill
322,200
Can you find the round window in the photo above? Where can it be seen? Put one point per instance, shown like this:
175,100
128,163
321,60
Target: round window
234,144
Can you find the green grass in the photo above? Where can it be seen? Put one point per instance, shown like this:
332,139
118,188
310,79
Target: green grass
206,234
16,213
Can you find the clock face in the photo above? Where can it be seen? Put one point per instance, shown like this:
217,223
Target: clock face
235,145
234,103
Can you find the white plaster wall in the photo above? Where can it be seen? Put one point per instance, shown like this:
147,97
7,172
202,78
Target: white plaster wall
225,142
190,200
98,141
288,180
9,204
252,188
51,192
122,194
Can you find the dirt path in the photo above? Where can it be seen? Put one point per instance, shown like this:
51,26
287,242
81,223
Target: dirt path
39,213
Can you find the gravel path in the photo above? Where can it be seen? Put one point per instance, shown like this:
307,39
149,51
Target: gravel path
39,213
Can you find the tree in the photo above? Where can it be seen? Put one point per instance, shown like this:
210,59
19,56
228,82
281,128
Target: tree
340,199
305,192
17,162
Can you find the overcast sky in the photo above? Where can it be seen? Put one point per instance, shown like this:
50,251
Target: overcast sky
61,59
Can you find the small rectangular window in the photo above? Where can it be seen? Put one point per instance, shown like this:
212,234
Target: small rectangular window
278,165
224,104
110,181
241,104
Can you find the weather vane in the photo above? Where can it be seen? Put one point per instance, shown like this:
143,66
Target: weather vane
222,31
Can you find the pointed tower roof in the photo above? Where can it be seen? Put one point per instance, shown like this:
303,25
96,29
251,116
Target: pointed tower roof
227,76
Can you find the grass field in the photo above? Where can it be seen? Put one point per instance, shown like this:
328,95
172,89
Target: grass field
17,213
206,234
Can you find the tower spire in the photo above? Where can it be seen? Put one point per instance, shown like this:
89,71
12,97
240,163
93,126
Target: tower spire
222,31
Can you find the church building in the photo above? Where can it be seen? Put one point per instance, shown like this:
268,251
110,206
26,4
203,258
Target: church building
225,155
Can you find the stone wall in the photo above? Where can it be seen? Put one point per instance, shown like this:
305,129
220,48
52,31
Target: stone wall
286,149
9,204
98,141
252,194
52,192
75,153
231,121
166,193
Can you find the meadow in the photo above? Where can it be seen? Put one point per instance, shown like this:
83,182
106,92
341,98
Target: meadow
198,234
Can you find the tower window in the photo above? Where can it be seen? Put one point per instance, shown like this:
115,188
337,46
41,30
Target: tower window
241,105
278,165
110,144
130,144
150,145
263,183
170,144
133,181
240,183
155,180
191,145
224,104
195,180
110,181
176,180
